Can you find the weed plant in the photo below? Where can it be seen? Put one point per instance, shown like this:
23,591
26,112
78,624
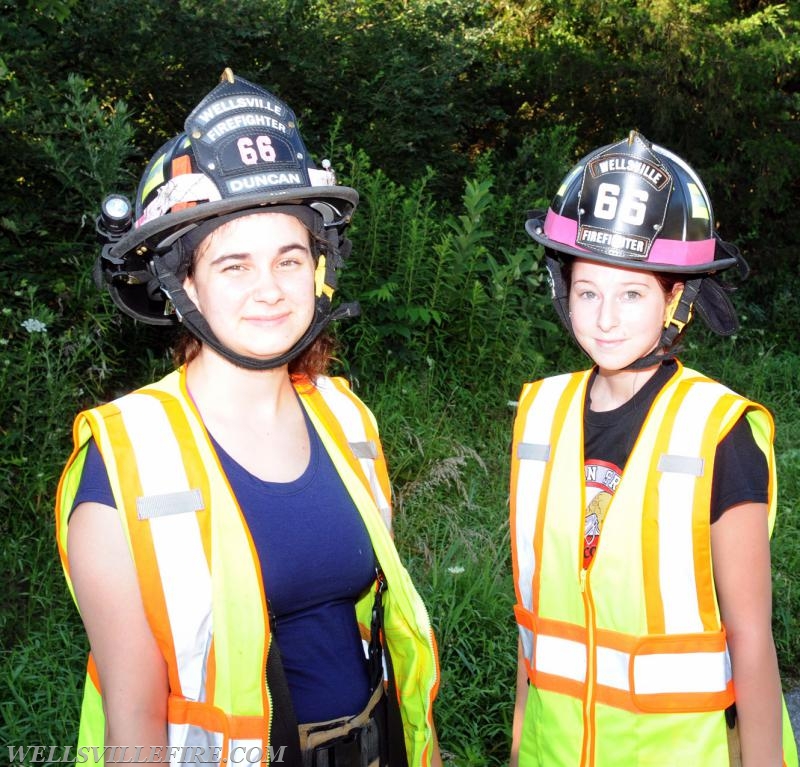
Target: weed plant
457,291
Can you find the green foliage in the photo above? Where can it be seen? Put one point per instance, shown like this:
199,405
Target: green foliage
717,82
451,527
452,292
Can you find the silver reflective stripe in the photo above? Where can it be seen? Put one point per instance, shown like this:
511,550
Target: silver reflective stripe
526,637
364,449
355,421
184,569
681,464
529,451
166,504
190,743
676,673
248,752
652,674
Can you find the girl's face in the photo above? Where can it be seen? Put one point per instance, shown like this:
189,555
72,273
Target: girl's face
617,313
253,281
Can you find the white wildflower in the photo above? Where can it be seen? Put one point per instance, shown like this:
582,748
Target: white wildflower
34,326
455,569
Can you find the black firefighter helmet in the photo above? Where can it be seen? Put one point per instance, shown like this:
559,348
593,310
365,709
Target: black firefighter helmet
638,205
240,153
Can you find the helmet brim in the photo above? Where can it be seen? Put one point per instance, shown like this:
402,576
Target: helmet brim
535,227
337,204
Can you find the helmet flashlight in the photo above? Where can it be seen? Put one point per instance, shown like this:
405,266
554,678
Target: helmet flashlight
116,216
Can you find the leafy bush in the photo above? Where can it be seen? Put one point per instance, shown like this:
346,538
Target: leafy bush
453,292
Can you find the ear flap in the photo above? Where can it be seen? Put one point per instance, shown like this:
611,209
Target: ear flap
345,246
714,306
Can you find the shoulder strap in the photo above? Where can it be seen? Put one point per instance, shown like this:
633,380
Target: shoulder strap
284,721
395,742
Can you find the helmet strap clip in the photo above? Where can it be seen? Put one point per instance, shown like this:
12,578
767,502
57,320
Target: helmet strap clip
679,311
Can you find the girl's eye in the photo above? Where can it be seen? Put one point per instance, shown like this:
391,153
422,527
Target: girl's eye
632,295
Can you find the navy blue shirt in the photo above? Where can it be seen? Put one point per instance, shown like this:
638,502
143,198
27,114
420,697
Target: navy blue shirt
316,560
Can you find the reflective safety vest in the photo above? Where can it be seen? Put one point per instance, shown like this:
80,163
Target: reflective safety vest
627,660
200,577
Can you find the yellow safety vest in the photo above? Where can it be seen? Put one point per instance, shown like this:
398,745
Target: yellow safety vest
627,660
200,577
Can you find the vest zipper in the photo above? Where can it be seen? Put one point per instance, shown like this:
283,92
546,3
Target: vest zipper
271,623
588,747
269,718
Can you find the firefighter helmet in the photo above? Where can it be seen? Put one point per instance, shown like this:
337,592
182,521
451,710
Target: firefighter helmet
240,153
638,205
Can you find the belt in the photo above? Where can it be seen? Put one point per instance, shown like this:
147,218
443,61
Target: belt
352,741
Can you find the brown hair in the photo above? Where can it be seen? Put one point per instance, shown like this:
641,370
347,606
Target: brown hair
667,281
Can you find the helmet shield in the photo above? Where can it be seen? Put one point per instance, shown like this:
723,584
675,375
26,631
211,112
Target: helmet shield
238,140
623,200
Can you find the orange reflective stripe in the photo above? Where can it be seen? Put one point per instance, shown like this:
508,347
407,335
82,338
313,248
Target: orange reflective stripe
354,437
140,538
561,629
519,428
704,574
182,711
91,670
554,683
211,671
180,166
371,433
622,699
687,702
435,687
332,425
529,394
564,404
651,550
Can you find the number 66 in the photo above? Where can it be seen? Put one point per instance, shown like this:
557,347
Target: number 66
631,208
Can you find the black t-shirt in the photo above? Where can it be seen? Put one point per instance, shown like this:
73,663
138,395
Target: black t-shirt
741,474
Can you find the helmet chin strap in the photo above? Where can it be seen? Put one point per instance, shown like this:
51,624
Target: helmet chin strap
192,318
678,315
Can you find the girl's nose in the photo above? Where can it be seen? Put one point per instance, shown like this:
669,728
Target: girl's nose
266,287
608,315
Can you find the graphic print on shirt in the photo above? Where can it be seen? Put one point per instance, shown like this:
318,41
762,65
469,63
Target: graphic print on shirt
602,479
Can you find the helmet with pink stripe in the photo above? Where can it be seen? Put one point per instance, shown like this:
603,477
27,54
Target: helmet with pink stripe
638,205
